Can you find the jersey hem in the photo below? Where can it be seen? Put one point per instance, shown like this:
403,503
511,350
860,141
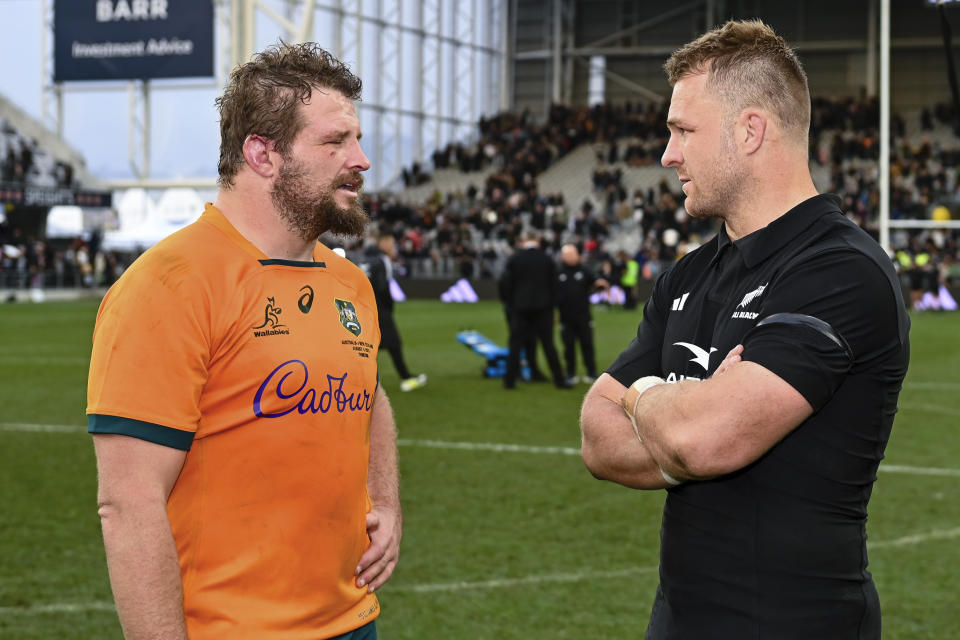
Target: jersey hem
158,434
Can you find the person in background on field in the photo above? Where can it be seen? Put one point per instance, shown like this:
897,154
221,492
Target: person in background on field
528,288
378,265
246,455
769,454
575,283
629,280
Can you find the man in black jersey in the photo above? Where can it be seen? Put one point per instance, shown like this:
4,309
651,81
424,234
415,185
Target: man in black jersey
769,453
377,263
528,287
575,283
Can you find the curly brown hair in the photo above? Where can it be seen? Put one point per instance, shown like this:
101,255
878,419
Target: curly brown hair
263,96
749,65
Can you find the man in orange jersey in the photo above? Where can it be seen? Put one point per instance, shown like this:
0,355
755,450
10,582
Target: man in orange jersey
248,482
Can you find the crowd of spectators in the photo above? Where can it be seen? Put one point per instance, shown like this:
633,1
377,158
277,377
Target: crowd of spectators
30,263
24,162
470,233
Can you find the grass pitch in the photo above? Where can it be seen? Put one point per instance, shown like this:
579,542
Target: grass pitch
500,541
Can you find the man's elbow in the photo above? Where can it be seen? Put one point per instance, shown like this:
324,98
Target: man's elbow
593,460
131,506
697,459
107,511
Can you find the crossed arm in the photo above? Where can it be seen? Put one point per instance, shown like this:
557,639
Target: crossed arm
691,430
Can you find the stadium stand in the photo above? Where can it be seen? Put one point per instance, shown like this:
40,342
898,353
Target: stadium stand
38,169
601,185
589,175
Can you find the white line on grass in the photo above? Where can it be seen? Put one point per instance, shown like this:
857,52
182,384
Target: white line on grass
929,408
919,471
475,446
488,446
571,451
57,607
42,428
526,580
932,385
500,583
936,534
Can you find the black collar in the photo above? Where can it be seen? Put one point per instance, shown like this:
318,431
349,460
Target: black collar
763,243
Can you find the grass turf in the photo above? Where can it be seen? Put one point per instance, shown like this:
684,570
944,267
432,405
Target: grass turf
497,543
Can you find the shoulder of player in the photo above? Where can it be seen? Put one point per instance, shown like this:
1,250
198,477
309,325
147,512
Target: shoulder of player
349,273
838,243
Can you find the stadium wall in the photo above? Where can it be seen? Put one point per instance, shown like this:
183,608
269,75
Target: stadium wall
831,37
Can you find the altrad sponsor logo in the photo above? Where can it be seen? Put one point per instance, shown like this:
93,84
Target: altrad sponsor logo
700,356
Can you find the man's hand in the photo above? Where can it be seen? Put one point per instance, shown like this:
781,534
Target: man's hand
379,560
732,358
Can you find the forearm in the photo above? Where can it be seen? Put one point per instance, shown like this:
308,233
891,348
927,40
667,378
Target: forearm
610,447
700,430
385,521
383,479
144,570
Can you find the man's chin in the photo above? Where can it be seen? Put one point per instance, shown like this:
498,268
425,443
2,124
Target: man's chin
699,212
351,221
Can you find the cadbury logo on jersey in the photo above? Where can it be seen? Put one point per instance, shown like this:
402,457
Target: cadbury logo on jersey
285,390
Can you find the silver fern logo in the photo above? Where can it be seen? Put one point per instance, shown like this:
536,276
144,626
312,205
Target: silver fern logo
752,295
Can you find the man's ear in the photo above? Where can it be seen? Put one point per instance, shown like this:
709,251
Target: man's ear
260,155
752,130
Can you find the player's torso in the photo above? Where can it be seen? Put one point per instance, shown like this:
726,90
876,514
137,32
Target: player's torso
272,497
302,346
708,315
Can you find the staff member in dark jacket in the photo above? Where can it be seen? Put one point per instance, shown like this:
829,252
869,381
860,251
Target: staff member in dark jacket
378,266
528,287
575,283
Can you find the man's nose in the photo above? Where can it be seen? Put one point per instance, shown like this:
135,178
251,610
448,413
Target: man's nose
357,160
672,157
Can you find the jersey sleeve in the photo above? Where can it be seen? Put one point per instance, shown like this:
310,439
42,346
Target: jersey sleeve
820,319
642,357
150,354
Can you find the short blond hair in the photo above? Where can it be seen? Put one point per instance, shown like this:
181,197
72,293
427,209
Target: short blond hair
749,65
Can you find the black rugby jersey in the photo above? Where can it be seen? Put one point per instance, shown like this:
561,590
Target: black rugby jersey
574,286
778,548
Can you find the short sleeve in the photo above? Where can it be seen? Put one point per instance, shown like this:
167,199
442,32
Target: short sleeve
150,353
820,319
642,357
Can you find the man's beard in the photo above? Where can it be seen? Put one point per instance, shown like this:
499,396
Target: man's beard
310,211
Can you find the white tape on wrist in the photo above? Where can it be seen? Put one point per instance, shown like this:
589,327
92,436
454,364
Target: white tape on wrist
670,479
641,386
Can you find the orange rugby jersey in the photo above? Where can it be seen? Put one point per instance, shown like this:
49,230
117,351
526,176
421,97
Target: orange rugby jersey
264,371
